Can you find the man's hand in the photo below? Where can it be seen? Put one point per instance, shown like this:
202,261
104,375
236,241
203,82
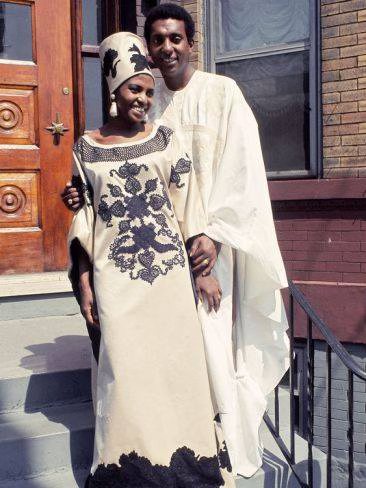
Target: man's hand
72,197
209,290
203,255
88,305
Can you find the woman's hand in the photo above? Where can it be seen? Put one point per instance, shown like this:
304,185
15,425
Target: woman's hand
88,305
209,290
72,196
203,255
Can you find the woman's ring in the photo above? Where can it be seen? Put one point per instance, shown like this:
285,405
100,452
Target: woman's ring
70,201
206,262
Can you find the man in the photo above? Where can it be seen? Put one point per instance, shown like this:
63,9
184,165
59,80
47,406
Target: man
245,340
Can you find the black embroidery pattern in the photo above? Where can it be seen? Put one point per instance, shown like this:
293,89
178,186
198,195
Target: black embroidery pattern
138,59
95,154
144,234
224,459
182,166
186,470
109,66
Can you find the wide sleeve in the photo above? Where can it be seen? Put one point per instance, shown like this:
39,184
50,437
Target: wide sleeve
82,226
185,194
240,213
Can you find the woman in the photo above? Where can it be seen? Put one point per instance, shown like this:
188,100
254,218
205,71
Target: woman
154,417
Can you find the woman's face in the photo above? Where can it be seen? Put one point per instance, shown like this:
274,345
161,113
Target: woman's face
134,98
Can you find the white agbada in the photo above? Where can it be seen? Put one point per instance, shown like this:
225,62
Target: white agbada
246,361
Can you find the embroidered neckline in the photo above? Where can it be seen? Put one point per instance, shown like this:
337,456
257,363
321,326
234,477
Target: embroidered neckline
93,152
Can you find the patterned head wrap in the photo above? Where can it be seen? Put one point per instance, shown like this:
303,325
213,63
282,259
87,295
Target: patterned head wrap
123,56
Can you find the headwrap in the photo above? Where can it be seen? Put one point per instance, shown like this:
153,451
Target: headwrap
123,55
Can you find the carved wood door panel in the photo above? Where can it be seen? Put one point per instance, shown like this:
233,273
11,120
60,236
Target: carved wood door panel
35,90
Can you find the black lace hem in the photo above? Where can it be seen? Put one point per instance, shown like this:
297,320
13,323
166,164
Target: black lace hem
186,470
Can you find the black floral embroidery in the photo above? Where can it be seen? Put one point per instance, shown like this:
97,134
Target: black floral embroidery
182,166
186,470
146,246
108,60
95,154
138,59
224,459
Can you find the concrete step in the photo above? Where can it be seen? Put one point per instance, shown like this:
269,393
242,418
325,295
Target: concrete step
43,360
36,443
36,295
59,479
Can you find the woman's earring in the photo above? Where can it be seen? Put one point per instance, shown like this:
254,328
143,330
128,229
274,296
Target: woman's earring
113,111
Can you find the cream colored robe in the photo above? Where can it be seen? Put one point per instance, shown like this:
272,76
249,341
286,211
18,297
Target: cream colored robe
246,361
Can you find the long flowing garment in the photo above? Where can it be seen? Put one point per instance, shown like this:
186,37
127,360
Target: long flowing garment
154,415
245,342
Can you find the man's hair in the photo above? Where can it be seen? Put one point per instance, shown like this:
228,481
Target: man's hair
169,11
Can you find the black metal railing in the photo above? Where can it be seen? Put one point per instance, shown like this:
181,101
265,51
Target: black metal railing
332,346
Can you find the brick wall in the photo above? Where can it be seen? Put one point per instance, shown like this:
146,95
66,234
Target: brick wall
344,87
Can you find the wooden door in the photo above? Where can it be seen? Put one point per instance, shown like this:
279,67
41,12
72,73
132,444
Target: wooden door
35,90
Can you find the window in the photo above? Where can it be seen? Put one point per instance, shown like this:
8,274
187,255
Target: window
269,47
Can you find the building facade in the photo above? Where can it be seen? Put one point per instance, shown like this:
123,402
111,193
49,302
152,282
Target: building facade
302,68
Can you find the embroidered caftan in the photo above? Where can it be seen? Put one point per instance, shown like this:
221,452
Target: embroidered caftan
222,136
154,416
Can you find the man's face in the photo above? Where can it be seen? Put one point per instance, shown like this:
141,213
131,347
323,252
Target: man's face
169,47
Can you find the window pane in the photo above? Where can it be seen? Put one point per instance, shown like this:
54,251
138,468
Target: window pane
253,24
15,32
93,93
277,89
92,22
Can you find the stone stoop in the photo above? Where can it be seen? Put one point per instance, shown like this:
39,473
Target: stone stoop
46,415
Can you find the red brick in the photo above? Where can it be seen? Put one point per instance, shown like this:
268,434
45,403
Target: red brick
331,162
299,275
354,235
340,19
332,97
340,129
354,160
341,173
330,9
309,265
333,246
347,52
331,141
354,140
330,76
330,54
339,64
334,86
325,236
363,267
339,41
347,74
363,225
340,151
286,245
341,108
352,5
307,255
354,277
334,224
354,257
334,119
344,267
283,224
329,276
292,235
352,28
362,152
332,32
353,95
354,117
